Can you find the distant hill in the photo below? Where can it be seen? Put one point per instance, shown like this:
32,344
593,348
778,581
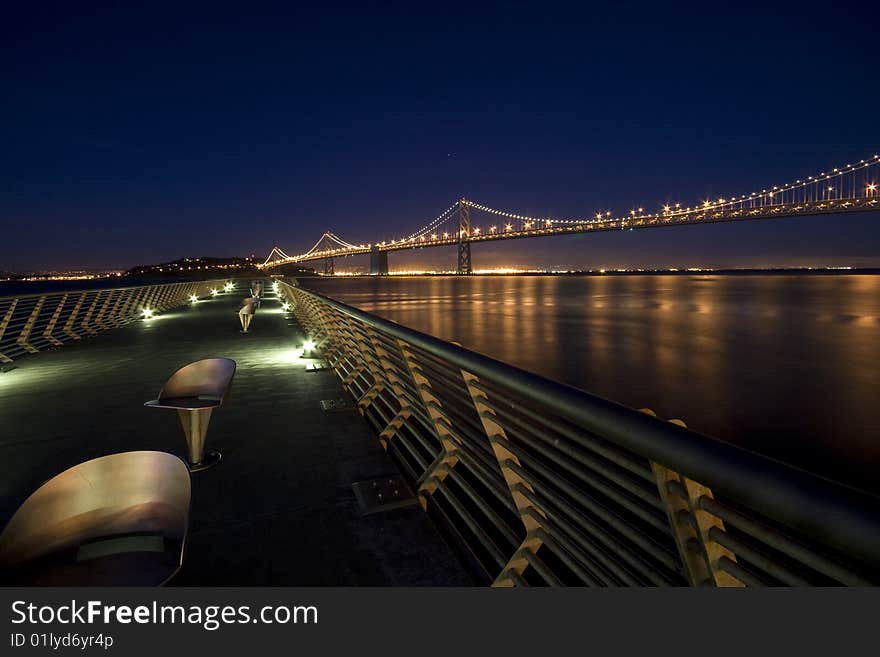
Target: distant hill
195,268
191,268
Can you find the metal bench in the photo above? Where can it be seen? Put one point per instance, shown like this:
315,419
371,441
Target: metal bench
118,520
194,391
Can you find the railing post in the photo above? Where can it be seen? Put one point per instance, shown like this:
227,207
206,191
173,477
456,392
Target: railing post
129,296
511,574
91,309
364,348
141,298
346,343
158,296
4,324
113,294
341,333
68,325
130,310
161,297
53,320
148,299
448,456
174,294
393,380
690,525
115,312
345,346
308,317
29,326
159,304
328,326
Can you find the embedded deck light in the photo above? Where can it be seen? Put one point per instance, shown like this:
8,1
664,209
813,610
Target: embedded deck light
214,292
193,298
285,306
147,313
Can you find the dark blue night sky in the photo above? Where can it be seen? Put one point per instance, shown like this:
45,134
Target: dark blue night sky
142,135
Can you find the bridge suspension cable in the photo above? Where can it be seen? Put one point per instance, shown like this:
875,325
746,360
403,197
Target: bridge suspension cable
314,248
851,181
276,251
334,239
436,223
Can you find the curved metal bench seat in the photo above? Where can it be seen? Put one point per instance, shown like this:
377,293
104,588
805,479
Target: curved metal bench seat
118,520
194,391
202,381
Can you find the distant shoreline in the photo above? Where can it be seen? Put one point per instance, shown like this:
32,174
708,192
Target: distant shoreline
794,271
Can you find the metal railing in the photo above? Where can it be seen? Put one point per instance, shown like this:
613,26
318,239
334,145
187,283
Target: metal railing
538,483
34,322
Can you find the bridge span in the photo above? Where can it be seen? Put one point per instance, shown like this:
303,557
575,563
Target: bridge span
847,189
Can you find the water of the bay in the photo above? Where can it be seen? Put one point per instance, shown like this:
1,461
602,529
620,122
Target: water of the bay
786,365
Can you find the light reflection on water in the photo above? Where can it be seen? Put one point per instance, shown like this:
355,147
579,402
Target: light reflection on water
786,365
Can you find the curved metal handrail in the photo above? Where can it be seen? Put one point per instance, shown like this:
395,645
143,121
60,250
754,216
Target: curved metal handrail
831,513
30,323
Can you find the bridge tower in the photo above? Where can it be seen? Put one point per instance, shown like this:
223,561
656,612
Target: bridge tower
328,266
378,261
464,234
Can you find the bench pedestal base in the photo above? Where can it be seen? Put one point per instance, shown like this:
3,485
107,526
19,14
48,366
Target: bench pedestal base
211,458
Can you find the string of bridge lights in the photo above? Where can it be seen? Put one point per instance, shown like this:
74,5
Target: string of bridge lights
520,217
341,242
870,188
434,224
328,235
776,191
276,250
809,180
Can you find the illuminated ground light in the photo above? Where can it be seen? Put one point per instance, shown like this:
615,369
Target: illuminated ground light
285,306
147,313
214,292
228,287
193,298
309,350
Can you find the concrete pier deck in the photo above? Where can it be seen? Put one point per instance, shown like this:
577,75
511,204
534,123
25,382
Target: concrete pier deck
279,508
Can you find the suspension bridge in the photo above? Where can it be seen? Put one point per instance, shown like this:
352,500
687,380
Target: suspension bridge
845,189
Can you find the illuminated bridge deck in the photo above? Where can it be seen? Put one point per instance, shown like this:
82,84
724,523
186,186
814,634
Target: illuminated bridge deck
279,509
